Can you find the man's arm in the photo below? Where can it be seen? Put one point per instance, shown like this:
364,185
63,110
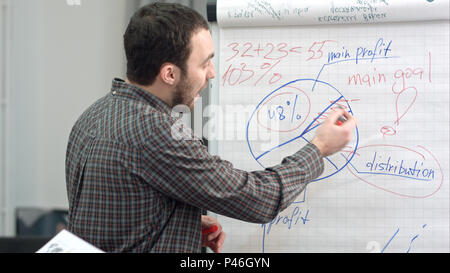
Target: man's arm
184,170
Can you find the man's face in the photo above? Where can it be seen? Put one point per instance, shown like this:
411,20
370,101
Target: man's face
199,70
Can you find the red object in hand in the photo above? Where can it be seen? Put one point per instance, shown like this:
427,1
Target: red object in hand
341,119
209,230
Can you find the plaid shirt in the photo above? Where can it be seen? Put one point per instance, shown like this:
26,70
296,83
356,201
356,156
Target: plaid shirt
132,187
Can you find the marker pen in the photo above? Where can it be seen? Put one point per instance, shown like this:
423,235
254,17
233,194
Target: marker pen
341,119
209,230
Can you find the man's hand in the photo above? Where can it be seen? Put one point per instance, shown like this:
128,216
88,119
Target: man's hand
330,137
215,239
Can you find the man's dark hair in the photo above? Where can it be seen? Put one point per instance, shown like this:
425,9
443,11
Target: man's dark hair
159,33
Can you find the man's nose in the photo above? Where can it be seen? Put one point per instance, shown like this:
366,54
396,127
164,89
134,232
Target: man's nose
212,72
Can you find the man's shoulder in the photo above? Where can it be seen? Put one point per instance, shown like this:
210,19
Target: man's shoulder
123,120
92,114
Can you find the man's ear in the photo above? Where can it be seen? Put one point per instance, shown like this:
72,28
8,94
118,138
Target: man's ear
169,73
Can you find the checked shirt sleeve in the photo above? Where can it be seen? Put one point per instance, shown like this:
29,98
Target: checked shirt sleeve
185,171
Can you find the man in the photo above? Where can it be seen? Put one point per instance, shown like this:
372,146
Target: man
132,187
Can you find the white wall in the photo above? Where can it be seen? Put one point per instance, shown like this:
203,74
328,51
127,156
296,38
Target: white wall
63,59
5,23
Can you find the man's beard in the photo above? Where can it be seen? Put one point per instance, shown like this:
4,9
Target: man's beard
181,95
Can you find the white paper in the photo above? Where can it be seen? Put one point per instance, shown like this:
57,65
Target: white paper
273,82
67,242
232,13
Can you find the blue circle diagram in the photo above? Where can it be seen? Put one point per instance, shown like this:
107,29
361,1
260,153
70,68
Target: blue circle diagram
286,119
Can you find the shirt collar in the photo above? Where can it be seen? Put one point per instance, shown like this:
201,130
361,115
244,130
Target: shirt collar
124,89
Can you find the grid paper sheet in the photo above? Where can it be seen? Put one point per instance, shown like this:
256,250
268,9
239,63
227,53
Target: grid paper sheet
388,190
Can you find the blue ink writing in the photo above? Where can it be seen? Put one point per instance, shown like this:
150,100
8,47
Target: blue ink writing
389,167
410,243
280,111
338,55
293,219
381,49
289,220
414,238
